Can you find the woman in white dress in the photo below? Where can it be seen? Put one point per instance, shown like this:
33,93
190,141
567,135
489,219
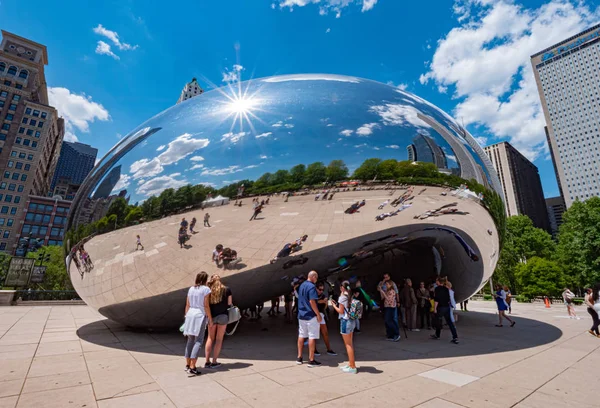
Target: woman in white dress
197,315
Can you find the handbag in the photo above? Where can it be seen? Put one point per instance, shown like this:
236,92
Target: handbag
234,316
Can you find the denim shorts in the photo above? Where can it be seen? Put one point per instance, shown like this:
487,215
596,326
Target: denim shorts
221,319
347,326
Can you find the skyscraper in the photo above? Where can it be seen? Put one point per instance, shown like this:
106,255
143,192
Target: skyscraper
31,132
426,150
108,184
520,182
74,164
190,90
567,79
556,208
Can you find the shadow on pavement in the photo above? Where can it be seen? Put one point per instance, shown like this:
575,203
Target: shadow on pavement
271,338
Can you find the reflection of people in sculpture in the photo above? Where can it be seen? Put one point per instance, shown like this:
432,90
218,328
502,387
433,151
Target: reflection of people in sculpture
470,251
230,258
139,243
289,248
257,210
386,202
192,225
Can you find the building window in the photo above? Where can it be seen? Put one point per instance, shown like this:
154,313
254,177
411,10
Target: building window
1,104
20,188
29,132
7,83
4,210
2,186
19,165
1,222
2,67
15,176
6,234
16,98
5,126
43,230
7,174
9,116
29,157
24,177
41,124
18,140
23,74
12,107
27,167
2,246
13,210
38,134
10,164
26,142
32,122
3,94
18,86
9,222
11,187
24,121
34,144
26,229
17,199
44,114
36,113
2,136
22,130
12,70
28,111
8,198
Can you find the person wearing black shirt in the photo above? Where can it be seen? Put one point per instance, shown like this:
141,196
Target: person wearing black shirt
442,309
220,300
322,306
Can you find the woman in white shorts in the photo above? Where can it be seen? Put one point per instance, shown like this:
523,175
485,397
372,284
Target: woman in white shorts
347,325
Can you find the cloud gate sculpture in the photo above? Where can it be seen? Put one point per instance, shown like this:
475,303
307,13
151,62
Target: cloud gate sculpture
378,179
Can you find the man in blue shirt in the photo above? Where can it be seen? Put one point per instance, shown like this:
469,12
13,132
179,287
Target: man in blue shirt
309,318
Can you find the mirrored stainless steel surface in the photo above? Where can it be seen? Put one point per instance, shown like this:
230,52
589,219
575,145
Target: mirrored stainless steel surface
415,228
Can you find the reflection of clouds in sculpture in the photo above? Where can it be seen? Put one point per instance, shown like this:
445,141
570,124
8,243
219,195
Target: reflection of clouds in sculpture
161,147
226,170
197,158
195,167
123,183
146,168
266,134
233,137
393,114
452,158
366,129
181,147
393,147
347,132
312,77
157,185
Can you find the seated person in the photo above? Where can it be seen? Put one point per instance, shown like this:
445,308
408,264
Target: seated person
230,258
216,255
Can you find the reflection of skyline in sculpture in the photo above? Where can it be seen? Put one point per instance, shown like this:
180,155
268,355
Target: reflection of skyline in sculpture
108,184
425,149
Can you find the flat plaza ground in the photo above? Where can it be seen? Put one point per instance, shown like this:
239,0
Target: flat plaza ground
70,356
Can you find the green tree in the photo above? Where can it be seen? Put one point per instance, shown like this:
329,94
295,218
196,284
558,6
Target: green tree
316,173
523,241
388,170
119,208
579,242
367,170
297,173
134,214
56,277
280,177
540,277
336,171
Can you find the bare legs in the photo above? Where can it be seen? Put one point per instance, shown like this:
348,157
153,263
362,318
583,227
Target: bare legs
312,345
501,314
349,349
325,335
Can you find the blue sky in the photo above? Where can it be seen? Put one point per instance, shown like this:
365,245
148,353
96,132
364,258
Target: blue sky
112,65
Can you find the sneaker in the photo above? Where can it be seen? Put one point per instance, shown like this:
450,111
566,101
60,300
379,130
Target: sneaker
215,365
207,365
416,330
313,363
395,340
455,341
350,370
317,353
331,353
513,324
343,367
299,360
434,337
194,371
187,367
390,339
590,331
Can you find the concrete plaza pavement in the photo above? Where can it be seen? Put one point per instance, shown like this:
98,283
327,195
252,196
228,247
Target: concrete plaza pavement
70,356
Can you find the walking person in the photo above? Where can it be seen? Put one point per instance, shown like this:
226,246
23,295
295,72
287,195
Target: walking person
220,300
452,302
423,306
184,224
309,319
595,297
589,302
347,325
182,236
500,296
197,315
257,210
192,225
390,310
139,243
441,309
322,306
568,297
409,304
206,218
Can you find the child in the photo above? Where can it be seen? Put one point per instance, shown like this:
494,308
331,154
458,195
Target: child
139,243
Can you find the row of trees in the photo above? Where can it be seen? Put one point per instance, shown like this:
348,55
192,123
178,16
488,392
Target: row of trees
533,264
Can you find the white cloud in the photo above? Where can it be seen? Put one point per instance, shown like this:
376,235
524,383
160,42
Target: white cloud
161,147
197,158
103,48
207,184
485,61
233,74
157,185
233,137
277,124
366,129
402,87
226,170
393,147
393,114
289,125
77,110
174,174
146,168
123,182
114,37
328,31
327,6
263,157
266,134
181,147
196,166
358,146
346,132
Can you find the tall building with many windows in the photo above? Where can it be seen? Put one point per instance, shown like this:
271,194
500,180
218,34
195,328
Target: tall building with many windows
556,208
74,164
568,80
31,132
190,90
520,182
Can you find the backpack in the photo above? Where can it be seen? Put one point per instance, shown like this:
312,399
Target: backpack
355,310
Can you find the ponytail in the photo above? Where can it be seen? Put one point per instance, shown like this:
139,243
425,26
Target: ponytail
346,285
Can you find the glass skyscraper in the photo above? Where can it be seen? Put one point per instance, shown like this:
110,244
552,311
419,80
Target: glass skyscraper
568,80
74,164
